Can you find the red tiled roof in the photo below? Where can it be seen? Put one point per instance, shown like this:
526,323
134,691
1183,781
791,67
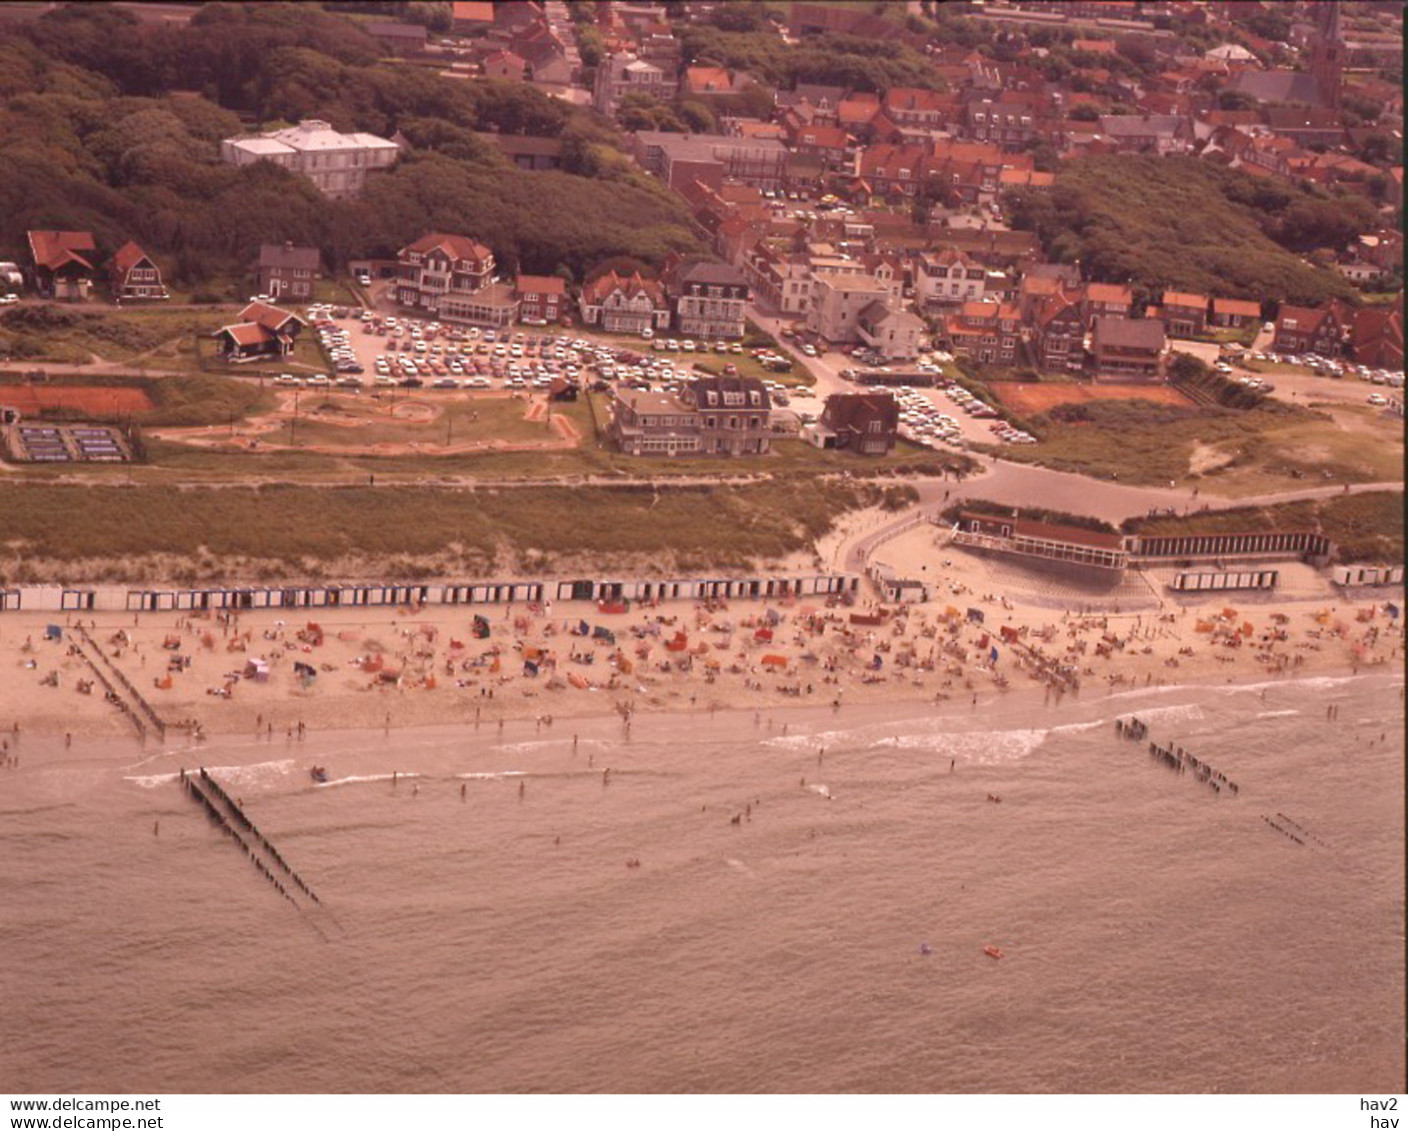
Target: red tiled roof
474,11
457,247
270,317
1108,292
1183,298
52,249
603,285
248,333
541,284
1240,307
128,256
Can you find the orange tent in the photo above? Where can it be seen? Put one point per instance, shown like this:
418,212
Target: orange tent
577,681
775,661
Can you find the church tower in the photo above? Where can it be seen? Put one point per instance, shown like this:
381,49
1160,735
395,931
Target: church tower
1327,53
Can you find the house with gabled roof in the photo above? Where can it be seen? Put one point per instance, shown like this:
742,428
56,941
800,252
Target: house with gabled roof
284,271
1110,299
866,423
506,66
1184,314
1313,329
893,332
985,332
1376,336
450,276
133,275
1058,331
63,267
948,277
624,304
1235,312
261,330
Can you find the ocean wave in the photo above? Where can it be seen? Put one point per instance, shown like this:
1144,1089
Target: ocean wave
1276,714
975,748
362,779
553,745
151,781
251,774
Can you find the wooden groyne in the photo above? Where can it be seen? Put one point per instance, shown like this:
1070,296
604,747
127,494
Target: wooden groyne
145,708
1177,759
227,815
110,693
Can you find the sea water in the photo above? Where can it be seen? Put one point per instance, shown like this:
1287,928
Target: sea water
814,892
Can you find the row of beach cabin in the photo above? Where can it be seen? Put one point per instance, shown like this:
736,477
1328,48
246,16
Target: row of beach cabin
58,599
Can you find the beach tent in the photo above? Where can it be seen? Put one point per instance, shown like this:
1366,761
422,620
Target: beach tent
600,633
257,669
772,661
530,668
975,615
481,628
53,632
306,673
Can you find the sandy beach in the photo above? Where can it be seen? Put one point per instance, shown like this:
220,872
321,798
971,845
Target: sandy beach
991,627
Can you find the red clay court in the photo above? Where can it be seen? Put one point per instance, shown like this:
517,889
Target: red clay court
96,400
1030,399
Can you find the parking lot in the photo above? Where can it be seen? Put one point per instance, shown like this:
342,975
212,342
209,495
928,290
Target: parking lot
374,349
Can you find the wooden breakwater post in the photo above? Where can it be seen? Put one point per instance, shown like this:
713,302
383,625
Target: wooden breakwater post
232,813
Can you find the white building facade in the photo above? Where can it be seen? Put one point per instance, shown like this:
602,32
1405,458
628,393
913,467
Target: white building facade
336,163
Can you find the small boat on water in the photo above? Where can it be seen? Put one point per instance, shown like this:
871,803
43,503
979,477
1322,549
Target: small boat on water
993,952
318,774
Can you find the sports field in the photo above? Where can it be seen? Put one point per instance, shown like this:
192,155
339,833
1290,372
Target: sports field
1029,399
92,400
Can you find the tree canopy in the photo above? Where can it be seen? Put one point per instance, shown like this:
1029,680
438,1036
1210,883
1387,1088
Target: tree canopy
1182,223
115,128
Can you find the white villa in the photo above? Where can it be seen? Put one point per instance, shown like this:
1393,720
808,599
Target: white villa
336,163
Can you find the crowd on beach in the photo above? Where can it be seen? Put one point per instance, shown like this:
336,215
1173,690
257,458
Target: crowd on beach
348,668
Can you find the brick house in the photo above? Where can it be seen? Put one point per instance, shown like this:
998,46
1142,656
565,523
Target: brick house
1058,333
452,277
1111,300
134,276
261,331
61,269
626,304
284,271
1127,348
541,298
1313,329
985,332
1184,314
1377,336
867,423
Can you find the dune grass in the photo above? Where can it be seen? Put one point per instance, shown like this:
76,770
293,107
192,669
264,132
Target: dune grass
693,526
1365,527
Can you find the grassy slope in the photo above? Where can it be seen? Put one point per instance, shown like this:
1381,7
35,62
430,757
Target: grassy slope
1168,222
692,527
